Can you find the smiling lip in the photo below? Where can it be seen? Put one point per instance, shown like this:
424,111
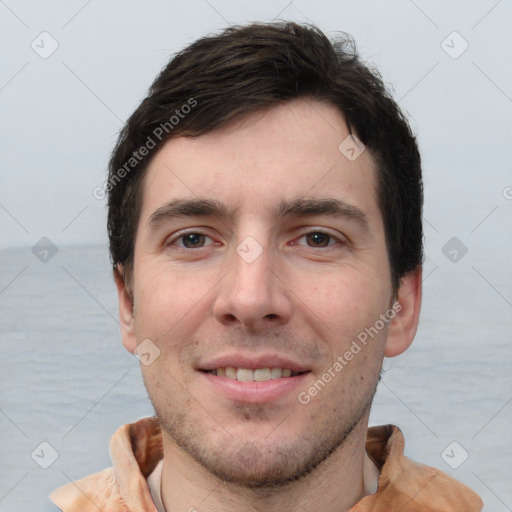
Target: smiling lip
253,392
253,363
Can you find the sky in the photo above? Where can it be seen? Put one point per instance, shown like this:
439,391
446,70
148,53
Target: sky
73,71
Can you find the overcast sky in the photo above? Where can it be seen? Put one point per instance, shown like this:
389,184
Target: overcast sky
61,111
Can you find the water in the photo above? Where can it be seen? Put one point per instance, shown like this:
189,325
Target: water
67,380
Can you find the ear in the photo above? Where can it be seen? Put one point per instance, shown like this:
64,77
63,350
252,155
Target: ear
404,325
125,311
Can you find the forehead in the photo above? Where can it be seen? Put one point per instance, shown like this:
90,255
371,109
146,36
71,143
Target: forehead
291,151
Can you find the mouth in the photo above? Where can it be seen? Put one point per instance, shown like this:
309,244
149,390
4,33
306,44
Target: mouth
253,375
246,379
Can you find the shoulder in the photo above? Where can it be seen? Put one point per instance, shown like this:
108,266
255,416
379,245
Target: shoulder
135,450
88,494
413,486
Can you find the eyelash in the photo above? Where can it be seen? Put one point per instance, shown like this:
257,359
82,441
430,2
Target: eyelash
315,231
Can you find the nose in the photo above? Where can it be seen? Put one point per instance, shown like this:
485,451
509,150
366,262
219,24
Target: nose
253,295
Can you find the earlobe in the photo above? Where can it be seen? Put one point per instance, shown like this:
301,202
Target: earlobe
125,310
404,325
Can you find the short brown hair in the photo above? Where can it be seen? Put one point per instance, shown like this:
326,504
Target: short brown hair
250,68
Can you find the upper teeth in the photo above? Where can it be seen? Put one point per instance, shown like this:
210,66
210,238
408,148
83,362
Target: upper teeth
248,375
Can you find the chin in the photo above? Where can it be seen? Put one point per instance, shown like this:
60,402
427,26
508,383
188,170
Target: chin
260,467
269,460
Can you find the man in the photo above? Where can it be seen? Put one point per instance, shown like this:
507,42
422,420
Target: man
265,228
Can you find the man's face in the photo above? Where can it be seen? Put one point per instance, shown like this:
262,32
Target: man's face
281,281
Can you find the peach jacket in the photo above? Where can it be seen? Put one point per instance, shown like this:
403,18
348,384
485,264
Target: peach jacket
136,448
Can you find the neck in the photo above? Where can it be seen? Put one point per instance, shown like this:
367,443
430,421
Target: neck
339,482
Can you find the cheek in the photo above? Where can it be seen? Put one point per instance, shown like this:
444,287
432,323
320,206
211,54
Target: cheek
170,305
164,298
346,300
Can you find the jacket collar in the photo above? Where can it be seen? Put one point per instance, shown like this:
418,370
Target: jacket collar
136,448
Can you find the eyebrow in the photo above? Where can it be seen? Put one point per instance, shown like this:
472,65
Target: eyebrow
310,207
298,208
189,208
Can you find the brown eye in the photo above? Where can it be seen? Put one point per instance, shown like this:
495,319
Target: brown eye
192,240
189,242
318,239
